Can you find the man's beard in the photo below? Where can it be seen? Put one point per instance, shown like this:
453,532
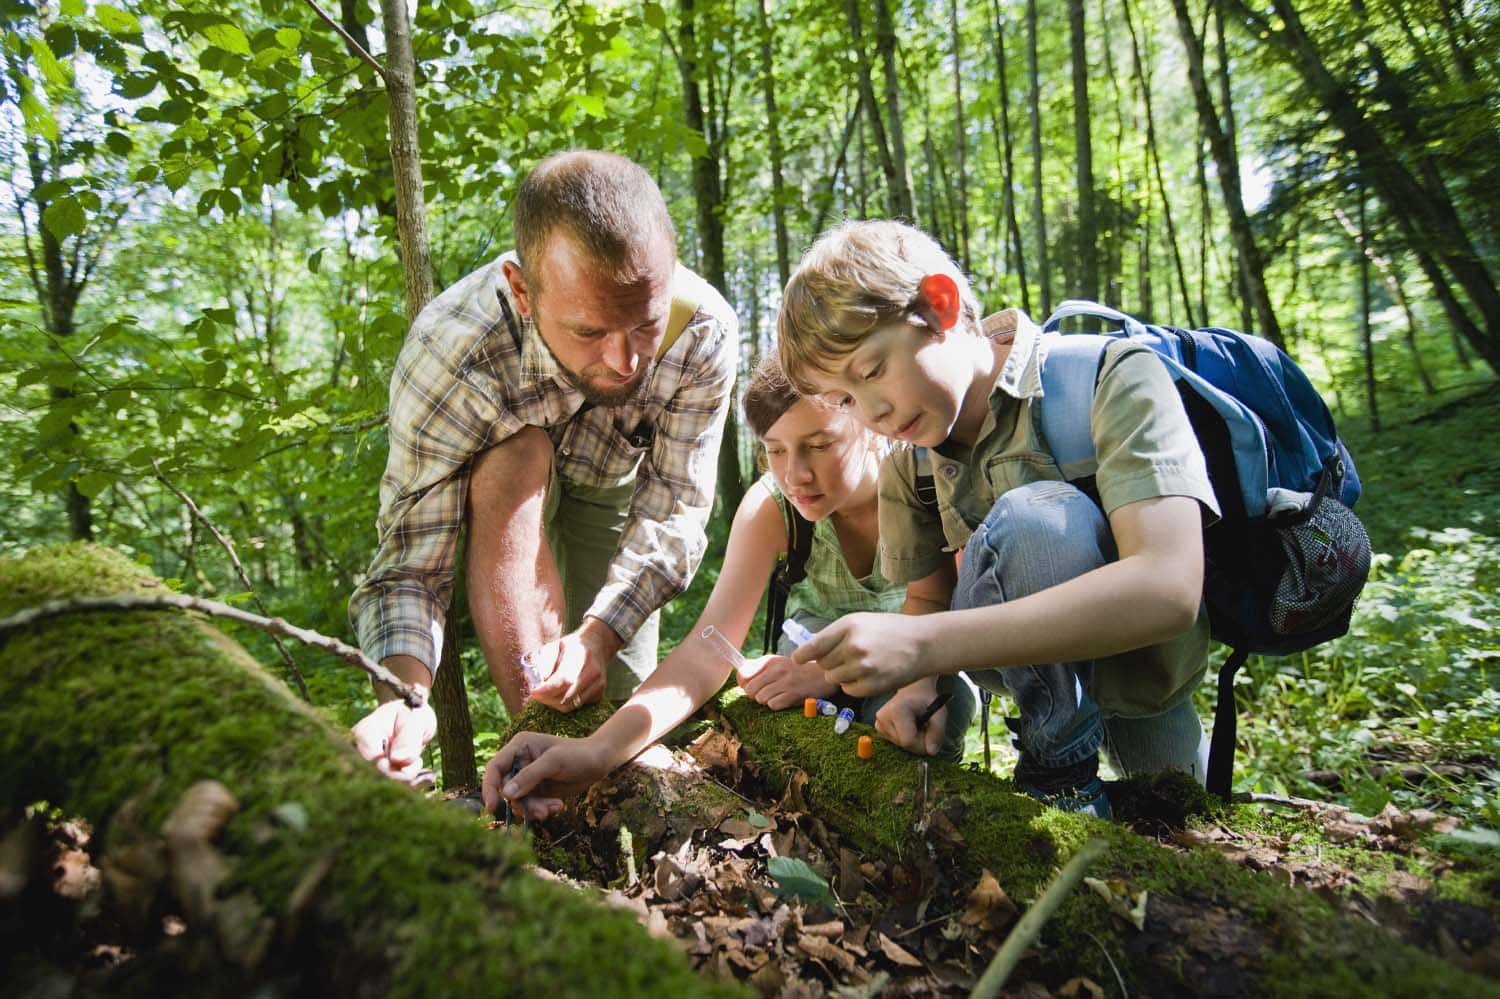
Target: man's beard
595,395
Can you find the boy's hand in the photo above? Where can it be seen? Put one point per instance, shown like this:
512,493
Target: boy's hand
869,654
781,682
896,720
553,768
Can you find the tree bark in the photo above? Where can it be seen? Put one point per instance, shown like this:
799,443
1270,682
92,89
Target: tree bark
1367,342
708,195
1038,207
1088,234
1251,262
961,140
902,204
340,881
406,158
1006,150
773,137
895,184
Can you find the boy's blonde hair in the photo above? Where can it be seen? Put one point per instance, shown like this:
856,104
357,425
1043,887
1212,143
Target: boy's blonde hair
858,277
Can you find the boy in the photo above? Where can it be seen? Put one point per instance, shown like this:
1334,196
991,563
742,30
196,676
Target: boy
1091,618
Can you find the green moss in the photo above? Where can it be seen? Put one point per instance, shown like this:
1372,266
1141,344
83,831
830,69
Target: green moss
106,709
1292,943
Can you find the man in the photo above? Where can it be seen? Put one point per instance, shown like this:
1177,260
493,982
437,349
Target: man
565,403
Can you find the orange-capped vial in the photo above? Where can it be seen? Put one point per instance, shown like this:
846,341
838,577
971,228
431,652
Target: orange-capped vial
810,708
865,748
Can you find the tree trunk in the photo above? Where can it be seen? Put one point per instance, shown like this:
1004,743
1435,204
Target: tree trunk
773,137
1034,103
1161,185
1231,132
1006,150
450,701
1367,342
406,158
1398,292
708,194
962,140
1251,263
339,881
902,204
895,183
344,883
1088,236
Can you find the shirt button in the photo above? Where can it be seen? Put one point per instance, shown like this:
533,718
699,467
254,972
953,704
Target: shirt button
949,471
564,452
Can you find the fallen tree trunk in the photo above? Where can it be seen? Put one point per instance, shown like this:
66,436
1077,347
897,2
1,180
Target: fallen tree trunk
326,878
330,879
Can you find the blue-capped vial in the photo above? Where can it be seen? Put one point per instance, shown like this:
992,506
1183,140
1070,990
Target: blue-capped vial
842,722
827,707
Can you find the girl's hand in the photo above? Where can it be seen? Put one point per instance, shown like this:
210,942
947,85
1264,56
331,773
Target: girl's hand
780,682
896,720
869,654
553,768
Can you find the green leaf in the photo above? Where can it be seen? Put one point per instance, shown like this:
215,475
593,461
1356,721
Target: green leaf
291,814
119,143
654,16
315,261
758,820
590,104
55,72
227,37
116,21
795,879
64,217
93,483
71,8
222,316
288,38
38,116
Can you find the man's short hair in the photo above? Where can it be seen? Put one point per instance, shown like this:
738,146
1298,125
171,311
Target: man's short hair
858,277
608,205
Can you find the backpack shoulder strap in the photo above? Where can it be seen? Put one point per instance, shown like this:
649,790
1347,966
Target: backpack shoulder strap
1070,374
790,570
686,297
923,482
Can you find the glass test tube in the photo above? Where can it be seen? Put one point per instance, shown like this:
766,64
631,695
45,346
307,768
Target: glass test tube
727,651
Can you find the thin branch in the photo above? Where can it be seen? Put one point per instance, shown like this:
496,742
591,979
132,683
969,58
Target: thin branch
213,608
1029,928
1256,798
234,560
354,46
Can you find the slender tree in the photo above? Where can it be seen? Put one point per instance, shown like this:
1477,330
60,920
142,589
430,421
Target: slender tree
1034,104
1006,148
1229,181
773,141
962,139
1083,149
898,194
902,204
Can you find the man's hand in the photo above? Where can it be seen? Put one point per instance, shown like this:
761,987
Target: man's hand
896,720
572,668
552,768
393,737
869,654
781,682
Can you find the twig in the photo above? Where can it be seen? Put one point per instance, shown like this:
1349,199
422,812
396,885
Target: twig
1257,798
234,559
354,46
1119,978
1030,927
213,608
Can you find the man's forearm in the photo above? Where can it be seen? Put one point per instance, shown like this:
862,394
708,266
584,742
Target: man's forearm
408,669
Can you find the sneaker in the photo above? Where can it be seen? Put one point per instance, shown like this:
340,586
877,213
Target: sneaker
1075,788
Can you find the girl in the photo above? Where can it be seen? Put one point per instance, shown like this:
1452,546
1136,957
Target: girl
826,466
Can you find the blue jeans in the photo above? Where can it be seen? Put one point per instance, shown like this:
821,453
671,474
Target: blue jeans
1037,536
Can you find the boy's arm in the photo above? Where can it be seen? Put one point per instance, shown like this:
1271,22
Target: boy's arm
1150,594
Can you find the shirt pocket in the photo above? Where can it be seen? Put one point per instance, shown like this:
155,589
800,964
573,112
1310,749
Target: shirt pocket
1004,472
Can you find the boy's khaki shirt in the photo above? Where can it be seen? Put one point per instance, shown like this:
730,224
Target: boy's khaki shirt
1145,448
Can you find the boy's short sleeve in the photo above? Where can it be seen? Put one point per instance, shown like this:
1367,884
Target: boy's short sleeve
911,535
1142,438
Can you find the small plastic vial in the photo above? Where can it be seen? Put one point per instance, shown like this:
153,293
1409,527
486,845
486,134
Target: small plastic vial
795,631
866,747
843,721
827,707
810,708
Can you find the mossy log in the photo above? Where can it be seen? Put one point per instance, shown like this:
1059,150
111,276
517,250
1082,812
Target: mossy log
325,878
1212,928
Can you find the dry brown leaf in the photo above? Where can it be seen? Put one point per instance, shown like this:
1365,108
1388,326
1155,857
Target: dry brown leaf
897,954
792,799
134,875
718,750
1128,905
1074,988
824,950
989,908
831,929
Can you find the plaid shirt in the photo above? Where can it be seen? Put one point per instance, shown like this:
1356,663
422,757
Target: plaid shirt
471,374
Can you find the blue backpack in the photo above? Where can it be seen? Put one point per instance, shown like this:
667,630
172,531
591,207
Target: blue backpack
1288,557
